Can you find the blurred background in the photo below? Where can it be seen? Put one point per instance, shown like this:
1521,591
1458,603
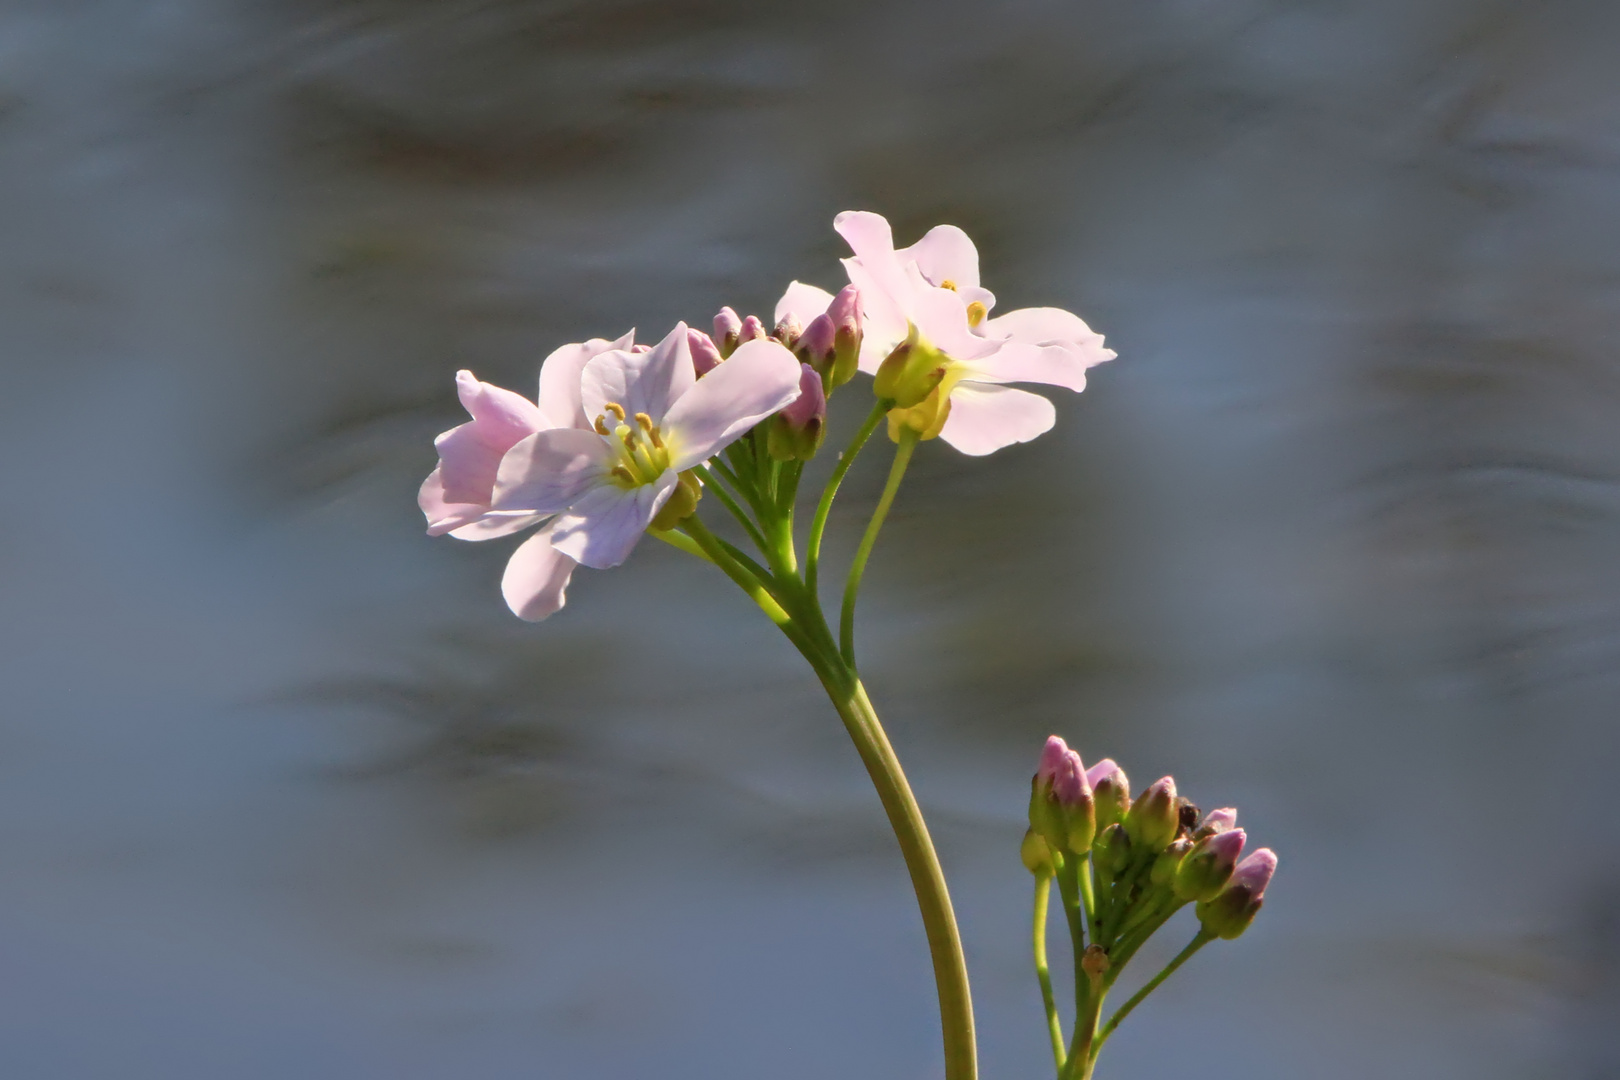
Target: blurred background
285,791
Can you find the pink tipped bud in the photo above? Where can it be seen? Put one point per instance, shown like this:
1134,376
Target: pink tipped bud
1060,805
796,432
1169,861
1218,821
1207,868
1231,912
845,315
787,331
1053,755
705,353
752,330
1111,790
815,346
727,330
1154,819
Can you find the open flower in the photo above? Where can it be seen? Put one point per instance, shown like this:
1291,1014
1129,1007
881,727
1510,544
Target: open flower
927,300
652,418
456,496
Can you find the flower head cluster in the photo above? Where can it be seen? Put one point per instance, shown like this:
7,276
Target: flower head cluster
615,442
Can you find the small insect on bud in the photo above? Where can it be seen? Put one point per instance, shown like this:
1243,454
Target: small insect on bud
1111,790
796,432
1169,860
705,353
727,331
816,347
1208,867
1231,912
1153,819
1186,816
752,330
845,313
1035,853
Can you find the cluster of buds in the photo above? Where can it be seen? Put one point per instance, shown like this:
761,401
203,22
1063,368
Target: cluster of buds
1126,865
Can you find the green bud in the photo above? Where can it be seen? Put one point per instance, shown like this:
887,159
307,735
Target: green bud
1234,908
909,374
1209,866
1165,866
1154,819
1036,854
1111,852
1111,790
1079,825
680,504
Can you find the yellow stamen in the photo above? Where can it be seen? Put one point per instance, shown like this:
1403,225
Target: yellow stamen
645,421
623,474
948,284
976,312
601,428
615,408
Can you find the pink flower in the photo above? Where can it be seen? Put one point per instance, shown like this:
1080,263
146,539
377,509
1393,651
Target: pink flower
456,496
652,419
929,294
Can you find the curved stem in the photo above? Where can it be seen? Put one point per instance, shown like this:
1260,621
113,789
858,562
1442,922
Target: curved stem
711,483
1054,1026
1203,938
818,524
852,587
680,541
922,863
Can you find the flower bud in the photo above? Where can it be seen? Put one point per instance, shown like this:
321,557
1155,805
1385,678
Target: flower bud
1217,821
911,372
752,330
705,353
1207,868
727,330
1111,790
787,331
816,347
1169,860
1231,912
1060,806
1111,852
1153,819
1035,853
680,504
845,313
796,431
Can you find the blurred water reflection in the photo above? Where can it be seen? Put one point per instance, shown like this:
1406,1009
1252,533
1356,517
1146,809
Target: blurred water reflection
286,792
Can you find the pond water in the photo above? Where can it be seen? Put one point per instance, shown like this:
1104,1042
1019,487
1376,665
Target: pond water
285,791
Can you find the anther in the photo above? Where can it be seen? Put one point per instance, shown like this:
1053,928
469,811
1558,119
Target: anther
615,408
601,428
645,421
622,473
976,312
948,284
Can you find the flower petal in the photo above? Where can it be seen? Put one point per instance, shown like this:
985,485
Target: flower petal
801,303
945,254
501,415
648,382
985,418
560,376
884,321
604,525
547,472
496,523
442,514
536,580
760,378
1015,361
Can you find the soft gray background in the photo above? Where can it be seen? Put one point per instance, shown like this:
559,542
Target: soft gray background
284,791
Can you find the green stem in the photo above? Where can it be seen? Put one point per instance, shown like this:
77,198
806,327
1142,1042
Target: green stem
1054,1026
715,551
1204,937
852,587
922,863
711,483
680,541
818,524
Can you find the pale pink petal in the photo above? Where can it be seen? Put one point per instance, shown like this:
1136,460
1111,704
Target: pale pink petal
500,414
496,523
1016,361
986,418
884,321
801,303
468,461
1041,326
560,376
648,382
603,527
945,254
442,514
548,471
759,378
536,580
941,316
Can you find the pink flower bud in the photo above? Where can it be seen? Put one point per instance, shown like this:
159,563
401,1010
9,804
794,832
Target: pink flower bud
796,432
1218,821
1111,790
1060,806
1052,758
845,310
1206,870
705,353
816,346
787,331
752,330
1234,908
1154,819
845,315
1254,873
1069,786
727,330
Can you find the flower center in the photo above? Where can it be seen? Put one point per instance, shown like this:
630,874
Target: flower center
643,456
